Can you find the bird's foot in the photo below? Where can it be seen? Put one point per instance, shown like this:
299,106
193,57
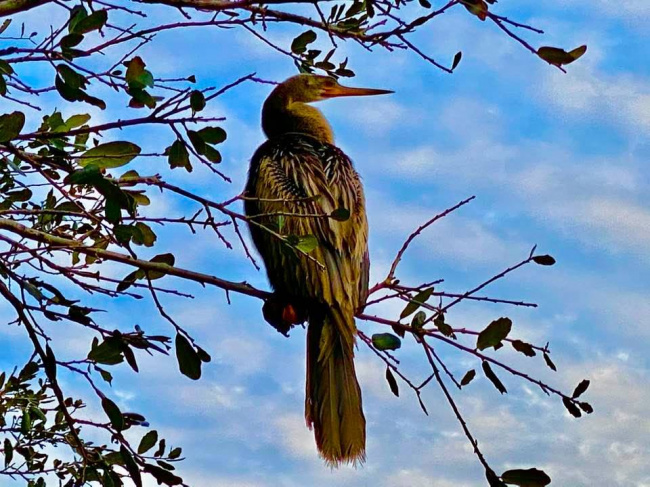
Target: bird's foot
282,314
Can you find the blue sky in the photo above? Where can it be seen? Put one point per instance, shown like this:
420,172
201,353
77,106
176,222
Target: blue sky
558,160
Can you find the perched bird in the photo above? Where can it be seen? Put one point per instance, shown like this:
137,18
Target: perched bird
303,191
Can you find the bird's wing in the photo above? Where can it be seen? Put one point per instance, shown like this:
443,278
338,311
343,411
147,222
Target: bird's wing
298,184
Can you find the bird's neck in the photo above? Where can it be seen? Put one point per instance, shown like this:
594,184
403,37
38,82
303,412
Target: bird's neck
281,115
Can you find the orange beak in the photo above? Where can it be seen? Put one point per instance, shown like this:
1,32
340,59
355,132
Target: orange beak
339,90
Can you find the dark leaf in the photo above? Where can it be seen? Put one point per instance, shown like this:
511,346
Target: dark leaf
94,21
10,126
8,452
494,334
580,389
416,302
4,25
386,341
559,57
456,60
468,377
212,154
148,442
549,362
340,214
203,355
108,352
586,407
197,141
178,156
489,373
571,407
392,383
523,347
299,44
50,363
526,478
189,361
162,476
131,466
492,478
106,375
213,135
113,413
544,260
444,328
197,101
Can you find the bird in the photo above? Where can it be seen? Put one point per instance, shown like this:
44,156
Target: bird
306,214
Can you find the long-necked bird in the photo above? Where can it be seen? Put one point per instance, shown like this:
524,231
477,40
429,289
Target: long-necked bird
301,186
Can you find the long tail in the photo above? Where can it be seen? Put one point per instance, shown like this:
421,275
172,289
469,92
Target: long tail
333,397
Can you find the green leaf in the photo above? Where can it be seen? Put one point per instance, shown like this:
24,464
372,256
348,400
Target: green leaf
148,442
340,214
71,40
110,155
523,347
386,341
418,320
168,259
526,478
10,126
72,79
137,77
212,154
197,101
178,156
544,260
148,236
189,361
175,453
559,57
3,86
5,67
109,352
299,44
489,373
580,389
416,302
444,328
468,377
4,25
306,243
77,14
25,422
106,375
114,414
94,21
495,332
213,135
392,383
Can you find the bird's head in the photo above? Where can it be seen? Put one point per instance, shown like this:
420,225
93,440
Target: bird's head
307,88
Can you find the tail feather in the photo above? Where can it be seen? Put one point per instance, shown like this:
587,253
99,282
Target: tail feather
333,396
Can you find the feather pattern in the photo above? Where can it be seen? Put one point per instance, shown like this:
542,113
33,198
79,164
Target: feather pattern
298,175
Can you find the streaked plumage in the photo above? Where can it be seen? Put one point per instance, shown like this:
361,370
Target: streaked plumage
299,171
